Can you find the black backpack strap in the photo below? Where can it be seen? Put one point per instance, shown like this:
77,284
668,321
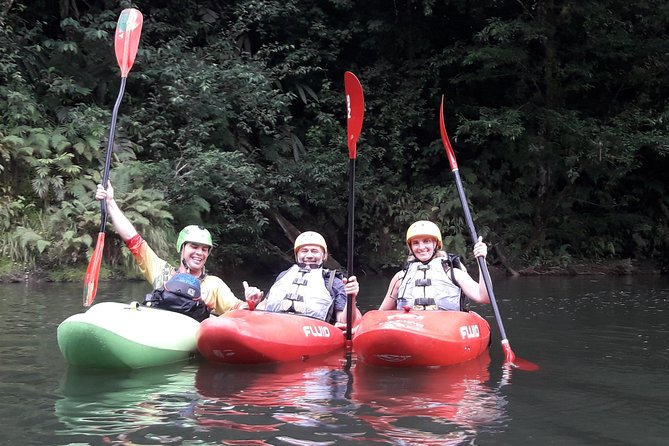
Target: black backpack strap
453,261
404,271
329,275
154,297
331,281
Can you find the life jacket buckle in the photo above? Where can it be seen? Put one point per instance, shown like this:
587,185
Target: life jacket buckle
423,282
424,303
289,305
425,307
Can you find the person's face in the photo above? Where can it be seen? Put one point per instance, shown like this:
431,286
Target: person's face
423,247
310,255
195,255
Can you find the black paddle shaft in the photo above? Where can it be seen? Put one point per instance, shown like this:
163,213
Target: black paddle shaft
481,261
108,155
349,259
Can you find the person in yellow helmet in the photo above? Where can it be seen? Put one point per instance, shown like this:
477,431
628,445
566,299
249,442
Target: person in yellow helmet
308,289
432,279
194,245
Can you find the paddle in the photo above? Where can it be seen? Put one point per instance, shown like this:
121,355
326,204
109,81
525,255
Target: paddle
126,42
509,357
355,111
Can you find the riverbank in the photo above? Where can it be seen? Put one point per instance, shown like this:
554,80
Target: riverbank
622,267
10,272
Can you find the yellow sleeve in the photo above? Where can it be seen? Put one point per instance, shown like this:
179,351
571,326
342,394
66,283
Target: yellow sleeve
155,270
218,296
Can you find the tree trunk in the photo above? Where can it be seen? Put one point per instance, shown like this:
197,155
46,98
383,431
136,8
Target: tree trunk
505,262
291,232
4,9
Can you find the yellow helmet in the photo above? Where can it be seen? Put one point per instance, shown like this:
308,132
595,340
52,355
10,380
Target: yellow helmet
310,238
424,228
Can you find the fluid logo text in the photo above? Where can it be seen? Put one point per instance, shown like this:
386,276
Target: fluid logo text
469,331
319,332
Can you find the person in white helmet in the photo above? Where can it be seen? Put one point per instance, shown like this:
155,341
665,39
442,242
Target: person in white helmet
433,280
194,245
308,289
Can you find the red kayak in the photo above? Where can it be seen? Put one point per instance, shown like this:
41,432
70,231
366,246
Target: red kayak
420,338
256,337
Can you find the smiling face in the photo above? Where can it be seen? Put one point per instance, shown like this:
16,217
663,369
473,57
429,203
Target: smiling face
195,256
423,247
312,255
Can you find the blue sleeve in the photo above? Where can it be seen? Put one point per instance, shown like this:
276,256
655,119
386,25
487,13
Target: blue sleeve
281,274
338,294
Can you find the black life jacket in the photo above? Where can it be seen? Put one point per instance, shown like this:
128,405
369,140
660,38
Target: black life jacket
177,302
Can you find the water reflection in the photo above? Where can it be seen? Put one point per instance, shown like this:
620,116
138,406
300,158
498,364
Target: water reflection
325,402
431,406
292,402
117,405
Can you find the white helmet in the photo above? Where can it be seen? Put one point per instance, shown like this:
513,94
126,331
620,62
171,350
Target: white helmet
310,238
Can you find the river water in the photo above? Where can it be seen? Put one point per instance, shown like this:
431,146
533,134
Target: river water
602,344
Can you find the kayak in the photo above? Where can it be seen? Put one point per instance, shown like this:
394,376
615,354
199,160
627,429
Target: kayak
113,335
257,337
420,338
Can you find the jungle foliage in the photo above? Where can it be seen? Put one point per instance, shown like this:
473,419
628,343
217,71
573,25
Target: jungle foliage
233,117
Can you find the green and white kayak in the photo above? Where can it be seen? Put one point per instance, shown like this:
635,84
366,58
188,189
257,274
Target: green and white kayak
113,335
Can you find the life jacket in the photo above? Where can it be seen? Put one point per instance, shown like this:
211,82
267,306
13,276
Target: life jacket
177,302
303,290
428,286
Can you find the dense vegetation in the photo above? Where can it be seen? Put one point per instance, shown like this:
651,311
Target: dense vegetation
233,116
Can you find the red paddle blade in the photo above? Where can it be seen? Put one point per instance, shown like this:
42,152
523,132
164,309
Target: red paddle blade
509,356
126,40
355,110
93,271
525,365
518,363
444,138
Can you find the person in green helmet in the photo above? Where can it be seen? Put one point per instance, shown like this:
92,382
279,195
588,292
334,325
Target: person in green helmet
194,245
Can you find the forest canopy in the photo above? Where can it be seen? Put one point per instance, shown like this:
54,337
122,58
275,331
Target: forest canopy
234,117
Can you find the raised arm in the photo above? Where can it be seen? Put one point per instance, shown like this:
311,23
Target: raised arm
122,225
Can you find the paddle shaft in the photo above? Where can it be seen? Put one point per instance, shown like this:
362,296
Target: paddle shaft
355,111
126,42
349,257
481,261
93,270
110,149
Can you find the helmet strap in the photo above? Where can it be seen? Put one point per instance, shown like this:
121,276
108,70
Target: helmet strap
188,269
312,266
434,254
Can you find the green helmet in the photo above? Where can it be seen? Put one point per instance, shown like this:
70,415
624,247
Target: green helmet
194,234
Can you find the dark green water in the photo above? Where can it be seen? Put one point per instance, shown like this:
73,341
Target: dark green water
602,344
